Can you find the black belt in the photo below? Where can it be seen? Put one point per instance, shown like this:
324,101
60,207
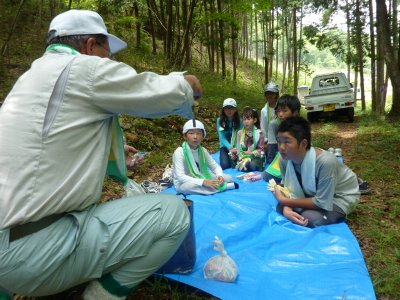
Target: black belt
20,231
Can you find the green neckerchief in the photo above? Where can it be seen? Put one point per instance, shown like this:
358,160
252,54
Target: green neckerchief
116,167
243,146
274,168
267,114
234,137
62,48
203,173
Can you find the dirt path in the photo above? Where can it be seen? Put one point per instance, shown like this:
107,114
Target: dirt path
344,137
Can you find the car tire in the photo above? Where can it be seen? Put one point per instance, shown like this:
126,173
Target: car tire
312,117
350,114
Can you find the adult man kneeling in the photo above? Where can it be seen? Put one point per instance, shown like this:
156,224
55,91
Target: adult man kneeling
56,131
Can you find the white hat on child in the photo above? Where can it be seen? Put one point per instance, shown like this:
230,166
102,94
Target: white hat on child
229,102
193,124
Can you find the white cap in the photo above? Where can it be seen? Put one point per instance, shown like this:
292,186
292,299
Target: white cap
189,126
81,22
272,87
229,102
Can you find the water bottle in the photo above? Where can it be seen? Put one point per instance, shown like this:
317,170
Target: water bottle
339,155
262,156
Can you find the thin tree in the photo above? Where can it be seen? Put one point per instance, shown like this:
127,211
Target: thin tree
390,55
294,47
11,32
221,40
360,50
256,32
372,53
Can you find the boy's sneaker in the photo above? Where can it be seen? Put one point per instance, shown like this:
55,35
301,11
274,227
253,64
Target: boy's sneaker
166,182
150,186
364,187
167,172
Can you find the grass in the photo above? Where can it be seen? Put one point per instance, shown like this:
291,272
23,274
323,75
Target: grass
377,220
375,156
372,151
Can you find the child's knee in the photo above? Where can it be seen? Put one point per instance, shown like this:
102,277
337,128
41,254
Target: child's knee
315,218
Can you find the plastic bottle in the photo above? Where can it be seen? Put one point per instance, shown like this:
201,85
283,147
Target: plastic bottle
339,154
262,156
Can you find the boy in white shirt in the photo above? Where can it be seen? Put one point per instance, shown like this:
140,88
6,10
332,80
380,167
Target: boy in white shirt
194,170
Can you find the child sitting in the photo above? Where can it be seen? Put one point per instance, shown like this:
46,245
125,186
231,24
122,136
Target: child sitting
322,190
286,107
194,170
250,142
228,124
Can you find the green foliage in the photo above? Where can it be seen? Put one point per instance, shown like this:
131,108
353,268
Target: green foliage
375,150
332,39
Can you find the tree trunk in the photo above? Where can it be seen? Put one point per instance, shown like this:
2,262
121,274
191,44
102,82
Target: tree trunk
251,34
221,40
300,46
294,47
14,25
355,83
389,55
348,54
277,50
256,31
234,47
208,36
284,56
265,57
372,53
138,24
152,28
288,52
246,38
360,51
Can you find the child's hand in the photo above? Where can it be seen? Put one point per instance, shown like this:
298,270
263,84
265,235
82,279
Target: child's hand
211,183
282,194
233,151
295,217
220,180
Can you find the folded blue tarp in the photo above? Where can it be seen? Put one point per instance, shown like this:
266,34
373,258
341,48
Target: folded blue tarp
276,258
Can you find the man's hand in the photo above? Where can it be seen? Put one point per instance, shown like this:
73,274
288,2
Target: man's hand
295,217
132,162
196,86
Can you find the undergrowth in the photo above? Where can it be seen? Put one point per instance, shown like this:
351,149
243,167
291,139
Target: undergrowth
373,153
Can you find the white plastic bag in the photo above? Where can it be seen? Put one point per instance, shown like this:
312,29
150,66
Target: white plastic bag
132,188
221,267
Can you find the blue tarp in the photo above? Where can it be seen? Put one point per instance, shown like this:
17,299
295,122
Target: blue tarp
277,259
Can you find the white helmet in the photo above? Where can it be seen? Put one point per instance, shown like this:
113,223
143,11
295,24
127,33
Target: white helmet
272,87
193,124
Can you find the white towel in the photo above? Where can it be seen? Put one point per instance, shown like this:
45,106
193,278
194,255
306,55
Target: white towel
307,176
